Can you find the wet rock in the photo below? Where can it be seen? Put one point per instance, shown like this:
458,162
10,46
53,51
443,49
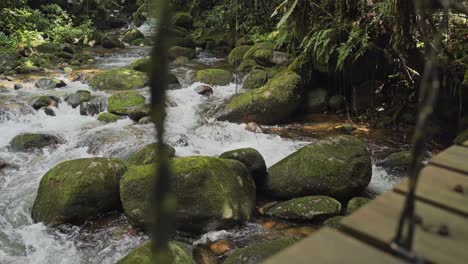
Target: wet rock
50,83
95,106
270,104
81,76
337,166
336,103
258,46
119,79
237,55
78,98
139,42
173,82
310,208
225,193
205,90
259,251
145,120
109,42
264,57
317,101
18,86
334,222
181,254
108,117
80,189
29,142
461,138
256,79
132,34
356,203
252,159
138,112
141,65
214,77
179,141
177,51
49,111
170,102
247,65
45,101
149,155
398,160
183,20
4,90
4,164
82,59
122,103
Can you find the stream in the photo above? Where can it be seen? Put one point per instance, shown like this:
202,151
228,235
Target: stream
190,130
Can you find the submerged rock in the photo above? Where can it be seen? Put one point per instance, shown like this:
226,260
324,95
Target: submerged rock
50,83
214,77
77,190
259,251
77,98
337,166
29,142
310,208
252,159
270,104
224,193
356,203
122,103
149,155
119,79
108,117
181,253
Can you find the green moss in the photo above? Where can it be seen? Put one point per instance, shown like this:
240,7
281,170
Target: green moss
141,65
119,79
237,55
297,65
264,57
272,103
123,102
149,155
461,138
214,76
181,254
108,117
256,78
338,166
356,203
177,51
29,141
77,98
252,159
310,208
247,65
262,45
397,160
77,190
132,34
259,251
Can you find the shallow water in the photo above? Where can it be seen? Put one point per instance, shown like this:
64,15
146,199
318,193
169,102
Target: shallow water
189,129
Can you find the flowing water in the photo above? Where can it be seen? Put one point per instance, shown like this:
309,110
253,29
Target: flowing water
190,129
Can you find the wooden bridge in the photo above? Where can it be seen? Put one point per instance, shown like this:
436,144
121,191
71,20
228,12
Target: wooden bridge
441,232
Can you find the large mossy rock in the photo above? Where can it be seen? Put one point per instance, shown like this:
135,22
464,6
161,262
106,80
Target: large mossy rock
247,65
274,102
211,193
108,118
252,159
141,65
50,83
250,54
109,42
338,166
259,251
29,142
119,79
214,76
149,155
132,34
124,102
181,254
77,98
237,55
256,79
398,160
178,51
77,190
356,203
309,208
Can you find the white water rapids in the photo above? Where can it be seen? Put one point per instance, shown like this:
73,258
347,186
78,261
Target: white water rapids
22,241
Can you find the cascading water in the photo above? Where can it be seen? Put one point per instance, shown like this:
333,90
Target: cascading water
189,130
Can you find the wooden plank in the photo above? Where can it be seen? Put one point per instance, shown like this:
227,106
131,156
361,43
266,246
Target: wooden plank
376,223
454,158
441,187
331,246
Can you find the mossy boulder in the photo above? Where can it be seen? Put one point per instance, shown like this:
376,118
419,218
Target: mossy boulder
309,208
77,190
264,57
274,102
77,98
334,222
250,54
181,254
256,79
132,34
237,55
214,76
108,117
109,41
29,142
338,166
50,83
149,155
398,160
252,159
247,65
119,79
44,101
122,103
224,193
178,51
356,203
138,112
183,20
141,65
259,251
461,138
244,41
